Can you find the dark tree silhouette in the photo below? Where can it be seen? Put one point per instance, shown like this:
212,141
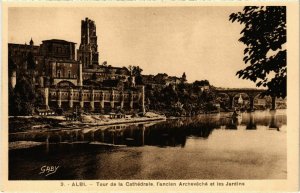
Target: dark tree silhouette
264,35
183,77
30,61
137,72
201,83
11,66
24,98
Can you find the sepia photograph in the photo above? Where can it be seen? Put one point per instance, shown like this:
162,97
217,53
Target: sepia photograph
147,93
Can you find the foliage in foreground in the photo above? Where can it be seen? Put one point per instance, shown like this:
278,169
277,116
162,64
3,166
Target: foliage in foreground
264,35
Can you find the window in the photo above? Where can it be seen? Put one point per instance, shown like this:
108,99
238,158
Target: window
69,73
58,73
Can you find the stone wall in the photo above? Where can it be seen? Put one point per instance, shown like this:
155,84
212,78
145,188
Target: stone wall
96,99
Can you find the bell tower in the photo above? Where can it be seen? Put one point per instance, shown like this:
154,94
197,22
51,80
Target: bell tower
88,50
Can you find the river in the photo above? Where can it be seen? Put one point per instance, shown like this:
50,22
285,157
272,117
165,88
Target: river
204,147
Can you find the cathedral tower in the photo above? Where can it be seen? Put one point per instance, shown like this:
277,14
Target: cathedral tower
88,50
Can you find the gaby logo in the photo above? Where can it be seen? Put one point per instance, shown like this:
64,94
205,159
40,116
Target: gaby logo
48,170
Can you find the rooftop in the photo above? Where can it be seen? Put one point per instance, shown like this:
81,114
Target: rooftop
58,41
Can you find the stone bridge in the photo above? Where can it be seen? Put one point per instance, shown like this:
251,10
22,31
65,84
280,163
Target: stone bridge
252,93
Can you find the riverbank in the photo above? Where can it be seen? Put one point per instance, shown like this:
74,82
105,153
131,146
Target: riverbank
37,125
23,144
45,123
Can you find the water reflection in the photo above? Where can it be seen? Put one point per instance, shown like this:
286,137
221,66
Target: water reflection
170,133
251,125
273,123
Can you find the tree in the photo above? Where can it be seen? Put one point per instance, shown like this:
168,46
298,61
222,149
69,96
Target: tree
183,77
201,83
24,97
264,35
137,72
11,66
30,61
104,63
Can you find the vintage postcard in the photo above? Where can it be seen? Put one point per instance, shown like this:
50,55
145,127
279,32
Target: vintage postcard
176,96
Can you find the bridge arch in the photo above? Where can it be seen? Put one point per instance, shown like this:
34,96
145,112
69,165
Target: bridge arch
251,95
224,100
245,100
262,103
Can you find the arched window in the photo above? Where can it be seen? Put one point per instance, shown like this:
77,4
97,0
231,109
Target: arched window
69,73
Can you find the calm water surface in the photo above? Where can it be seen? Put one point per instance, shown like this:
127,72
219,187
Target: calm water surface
203,147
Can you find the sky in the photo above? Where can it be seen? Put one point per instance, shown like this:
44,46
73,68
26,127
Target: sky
199,41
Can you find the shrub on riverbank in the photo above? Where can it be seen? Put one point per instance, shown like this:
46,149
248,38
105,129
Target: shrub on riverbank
21,124
182,99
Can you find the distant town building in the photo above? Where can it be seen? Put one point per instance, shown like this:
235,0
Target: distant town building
102,73
162,80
